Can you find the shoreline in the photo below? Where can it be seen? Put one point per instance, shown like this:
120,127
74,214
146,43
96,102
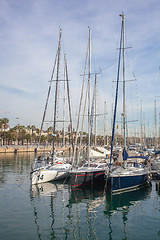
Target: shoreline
25,148
21,148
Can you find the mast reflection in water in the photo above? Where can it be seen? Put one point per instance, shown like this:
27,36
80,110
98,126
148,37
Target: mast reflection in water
81,213
57,211
123,203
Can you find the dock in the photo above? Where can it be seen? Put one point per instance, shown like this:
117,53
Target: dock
26,148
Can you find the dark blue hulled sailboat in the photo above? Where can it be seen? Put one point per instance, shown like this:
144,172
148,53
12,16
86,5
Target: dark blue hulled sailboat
130,174
127,177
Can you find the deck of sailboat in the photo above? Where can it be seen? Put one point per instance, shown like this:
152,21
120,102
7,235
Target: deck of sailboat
86,170
131,171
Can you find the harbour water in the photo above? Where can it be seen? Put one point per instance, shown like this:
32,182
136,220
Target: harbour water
55,211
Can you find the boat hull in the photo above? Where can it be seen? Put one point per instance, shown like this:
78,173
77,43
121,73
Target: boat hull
50,174
87,178
124,183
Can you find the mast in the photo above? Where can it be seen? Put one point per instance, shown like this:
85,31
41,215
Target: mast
89,103
124,81
144,130
64,101
159,131
80,106
141,137
56,92
105,113
155,118
95,141
116,98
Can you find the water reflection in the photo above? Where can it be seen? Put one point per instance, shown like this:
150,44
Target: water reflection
121,203
79,212
14,166
93,197
56,211
85,204
36,192
49,201
46,189
68,219
82,194
158,187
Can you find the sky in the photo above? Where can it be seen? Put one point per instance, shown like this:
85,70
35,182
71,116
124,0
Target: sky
29,34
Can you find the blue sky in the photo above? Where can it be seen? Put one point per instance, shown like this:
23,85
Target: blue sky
29,31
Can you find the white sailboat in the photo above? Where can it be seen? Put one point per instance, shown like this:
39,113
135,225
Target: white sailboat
50,173
46,168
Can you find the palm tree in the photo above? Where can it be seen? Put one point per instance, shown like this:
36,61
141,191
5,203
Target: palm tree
28,138
33,128
3,121
43,139
22,131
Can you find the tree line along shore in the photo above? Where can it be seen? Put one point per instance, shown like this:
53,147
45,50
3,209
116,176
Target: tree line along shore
21,138
28,136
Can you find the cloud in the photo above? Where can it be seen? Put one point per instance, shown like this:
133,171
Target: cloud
29,32
13,91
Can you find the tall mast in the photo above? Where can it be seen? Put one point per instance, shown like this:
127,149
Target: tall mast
124,81
155,118
80,106
89,103
56,91
116,98
159,131
105,112
144,130
64,101
95,141
141,136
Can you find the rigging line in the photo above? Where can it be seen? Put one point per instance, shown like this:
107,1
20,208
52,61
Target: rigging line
98,114
56,91
131,99
58,100
64,102
137,98
23,181
80,105
115,107
63,45
105,110
69,103
80,144
93,56
49,90
92,109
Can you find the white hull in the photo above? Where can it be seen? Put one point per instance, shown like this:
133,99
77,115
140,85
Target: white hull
53,173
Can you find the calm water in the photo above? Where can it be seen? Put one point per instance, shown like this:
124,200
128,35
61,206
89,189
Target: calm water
54,211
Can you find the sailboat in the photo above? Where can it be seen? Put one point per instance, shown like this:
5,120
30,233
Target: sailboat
90,173
130,174
46,168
